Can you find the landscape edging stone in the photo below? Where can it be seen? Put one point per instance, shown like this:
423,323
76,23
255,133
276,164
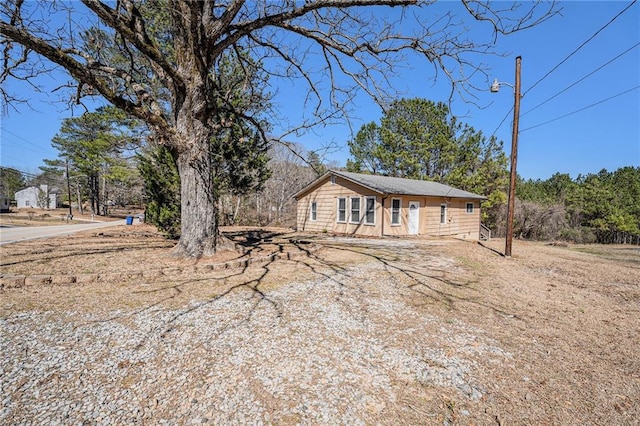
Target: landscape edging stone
8,281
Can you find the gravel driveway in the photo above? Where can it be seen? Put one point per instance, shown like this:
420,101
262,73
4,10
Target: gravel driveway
343,348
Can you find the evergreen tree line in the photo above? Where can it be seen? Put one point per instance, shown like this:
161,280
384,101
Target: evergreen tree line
603,207
95,168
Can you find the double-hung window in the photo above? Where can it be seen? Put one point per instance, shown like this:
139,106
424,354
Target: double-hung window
342,210
443,213
395,211
354,217
370,211
314,211
469,208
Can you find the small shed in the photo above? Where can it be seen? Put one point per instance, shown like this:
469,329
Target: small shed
372,205
41,197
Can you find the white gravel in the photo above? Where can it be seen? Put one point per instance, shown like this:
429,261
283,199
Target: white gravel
332,351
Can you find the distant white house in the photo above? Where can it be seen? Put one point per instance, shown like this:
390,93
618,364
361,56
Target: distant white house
4,203
41,197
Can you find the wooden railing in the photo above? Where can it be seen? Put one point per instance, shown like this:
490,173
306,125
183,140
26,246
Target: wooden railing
485,233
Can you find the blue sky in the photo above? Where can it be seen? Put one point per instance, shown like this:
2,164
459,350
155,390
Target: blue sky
606,135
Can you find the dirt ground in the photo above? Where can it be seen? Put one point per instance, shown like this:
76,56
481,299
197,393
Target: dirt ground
137,249
566,318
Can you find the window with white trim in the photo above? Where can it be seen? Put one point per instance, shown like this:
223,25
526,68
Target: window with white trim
342,210
354,217
469,208
443,213
314,211
370,210
395,211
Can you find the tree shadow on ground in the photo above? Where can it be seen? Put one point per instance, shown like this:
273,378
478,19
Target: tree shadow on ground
55,253
420,280
429,283
227,280
254,237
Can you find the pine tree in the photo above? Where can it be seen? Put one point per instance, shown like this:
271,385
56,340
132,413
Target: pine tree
162,190
419,139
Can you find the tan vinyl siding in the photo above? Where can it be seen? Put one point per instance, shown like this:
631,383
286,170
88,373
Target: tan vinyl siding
459,223
402,228
326,196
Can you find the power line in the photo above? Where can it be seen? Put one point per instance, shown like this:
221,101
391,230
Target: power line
580,47
581,109
583,78
19,145
500,125
29,177
4,156
23,139
27,174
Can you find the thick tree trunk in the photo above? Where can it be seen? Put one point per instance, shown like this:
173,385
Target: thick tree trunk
199,219
199,234
194,112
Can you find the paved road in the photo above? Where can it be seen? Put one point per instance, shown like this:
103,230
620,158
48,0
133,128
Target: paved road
23,233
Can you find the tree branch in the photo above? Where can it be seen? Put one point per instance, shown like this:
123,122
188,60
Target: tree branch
81,73
135,33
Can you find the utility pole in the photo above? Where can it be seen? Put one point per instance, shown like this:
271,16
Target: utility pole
69,189
514,160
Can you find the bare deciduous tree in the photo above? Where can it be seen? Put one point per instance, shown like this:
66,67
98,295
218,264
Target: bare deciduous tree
289,175
168,51
274,204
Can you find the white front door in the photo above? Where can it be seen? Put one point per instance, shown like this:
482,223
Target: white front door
414,218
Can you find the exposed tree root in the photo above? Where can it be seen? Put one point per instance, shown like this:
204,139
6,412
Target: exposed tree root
207,248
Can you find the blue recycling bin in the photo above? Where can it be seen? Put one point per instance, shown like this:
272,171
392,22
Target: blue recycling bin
129,220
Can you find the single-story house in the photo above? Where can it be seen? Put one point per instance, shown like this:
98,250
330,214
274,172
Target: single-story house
5,204
371,205
37,197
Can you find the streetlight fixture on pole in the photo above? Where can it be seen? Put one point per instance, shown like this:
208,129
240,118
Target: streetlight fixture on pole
514,154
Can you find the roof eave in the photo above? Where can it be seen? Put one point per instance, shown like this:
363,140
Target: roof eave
310,185
307,188
337,173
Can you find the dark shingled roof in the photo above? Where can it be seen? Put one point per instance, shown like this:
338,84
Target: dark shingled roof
400,186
